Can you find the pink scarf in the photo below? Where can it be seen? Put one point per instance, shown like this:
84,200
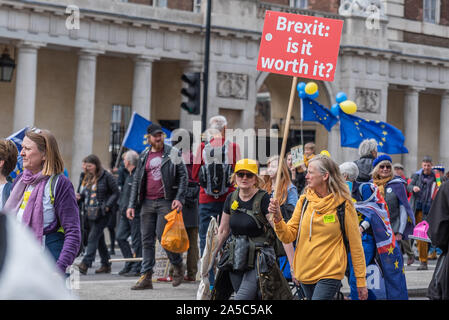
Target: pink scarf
33,216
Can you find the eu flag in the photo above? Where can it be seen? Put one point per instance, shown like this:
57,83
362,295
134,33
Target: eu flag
354,130
314,111
136,135
17,138
390,255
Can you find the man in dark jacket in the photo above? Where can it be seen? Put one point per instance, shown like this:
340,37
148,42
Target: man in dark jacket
438,220
159,186
421,201
128,227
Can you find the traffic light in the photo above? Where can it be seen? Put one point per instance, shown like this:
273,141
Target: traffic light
192,92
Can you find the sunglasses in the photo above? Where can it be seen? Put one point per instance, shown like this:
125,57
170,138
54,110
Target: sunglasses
249,175
36,130
385,167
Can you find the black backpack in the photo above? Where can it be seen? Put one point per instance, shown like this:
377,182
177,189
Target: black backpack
215,174
269,235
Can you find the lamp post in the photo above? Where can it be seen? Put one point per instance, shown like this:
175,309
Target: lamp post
7,66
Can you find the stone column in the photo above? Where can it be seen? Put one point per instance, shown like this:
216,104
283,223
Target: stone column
444,129
25,95
411,125
83,131
186,119
141,99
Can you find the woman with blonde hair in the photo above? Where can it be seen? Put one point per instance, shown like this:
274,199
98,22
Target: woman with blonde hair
288,195
321,256
44,199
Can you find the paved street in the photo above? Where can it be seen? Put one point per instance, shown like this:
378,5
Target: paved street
115,287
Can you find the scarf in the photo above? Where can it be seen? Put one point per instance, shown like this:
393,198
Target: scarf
380,183
307,159
33,216
323,205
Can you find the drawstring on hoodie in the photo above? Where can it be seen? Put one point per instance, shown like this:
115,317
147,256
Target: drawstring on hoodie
310,229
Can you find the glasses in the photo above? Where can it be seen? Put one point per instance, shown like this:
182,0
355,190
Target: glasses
249,175
385,167
36,130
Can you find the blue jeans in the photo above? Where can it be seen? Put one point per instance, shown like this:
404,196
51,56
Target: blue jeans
96,240
54,243
126,228
245,285
207,211
325,289
152,224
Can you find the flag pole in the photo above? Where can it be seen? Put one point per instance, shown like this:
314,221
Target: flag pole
302,133
284,140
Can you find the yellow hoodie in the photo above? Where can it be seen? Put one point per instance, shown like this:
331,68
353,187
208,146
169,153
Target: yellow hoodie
320,252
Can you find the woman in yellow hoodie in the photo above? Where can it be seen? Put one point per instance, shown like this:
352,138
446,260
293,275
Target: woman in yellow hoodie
320,257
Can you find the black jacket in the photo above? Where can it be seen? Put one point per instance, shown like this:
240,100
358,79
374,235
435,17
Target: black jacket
417,181
126,189
438,219
107,190
174,177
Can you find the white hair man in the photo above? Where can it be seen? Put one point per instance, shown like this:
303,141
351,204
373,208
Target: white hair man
128,227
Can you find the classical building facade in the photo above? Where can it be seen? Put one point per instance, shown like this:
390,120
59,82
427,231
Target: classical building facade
84,65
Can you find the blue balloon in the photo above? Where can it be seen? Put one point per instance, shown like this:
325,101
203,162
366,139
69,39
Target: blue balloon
341,96
302,94
335,109
301,86
313,96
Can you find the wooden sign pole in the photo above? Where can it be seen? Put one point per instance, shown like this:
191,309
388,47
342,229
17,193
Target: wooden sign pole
284,140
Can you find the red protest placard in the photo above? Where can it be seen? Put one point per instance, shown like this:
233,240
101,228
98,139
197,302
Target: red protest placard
299,46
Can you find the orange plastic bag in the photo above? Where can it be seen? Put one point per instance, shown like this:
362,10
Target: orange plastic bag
175,238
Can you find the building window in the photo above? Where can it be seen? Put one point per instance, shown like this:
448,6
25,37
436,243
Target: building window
300,4
196,5
431,11
160,3
120,117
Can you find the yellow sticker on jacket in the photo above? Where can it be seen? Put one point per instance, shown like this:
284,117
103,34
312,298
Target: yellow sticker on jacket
329,218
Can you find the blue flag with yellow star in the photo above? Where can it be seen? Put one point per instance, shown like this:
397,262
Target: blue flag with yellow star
17,138
136,135
354,130
314,111
390,259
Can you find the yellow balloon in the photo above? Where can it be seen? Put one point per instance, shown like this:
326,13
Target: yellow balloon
311,88
325,153
348,107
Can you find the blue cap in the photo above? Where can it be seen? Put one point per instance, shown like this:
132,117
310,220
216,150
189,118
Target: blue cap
381,158
439,167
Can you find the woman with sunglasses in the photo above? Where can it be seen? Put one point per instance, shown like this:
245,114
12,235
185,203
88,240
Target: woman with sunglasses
44,199
393,190
250,246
